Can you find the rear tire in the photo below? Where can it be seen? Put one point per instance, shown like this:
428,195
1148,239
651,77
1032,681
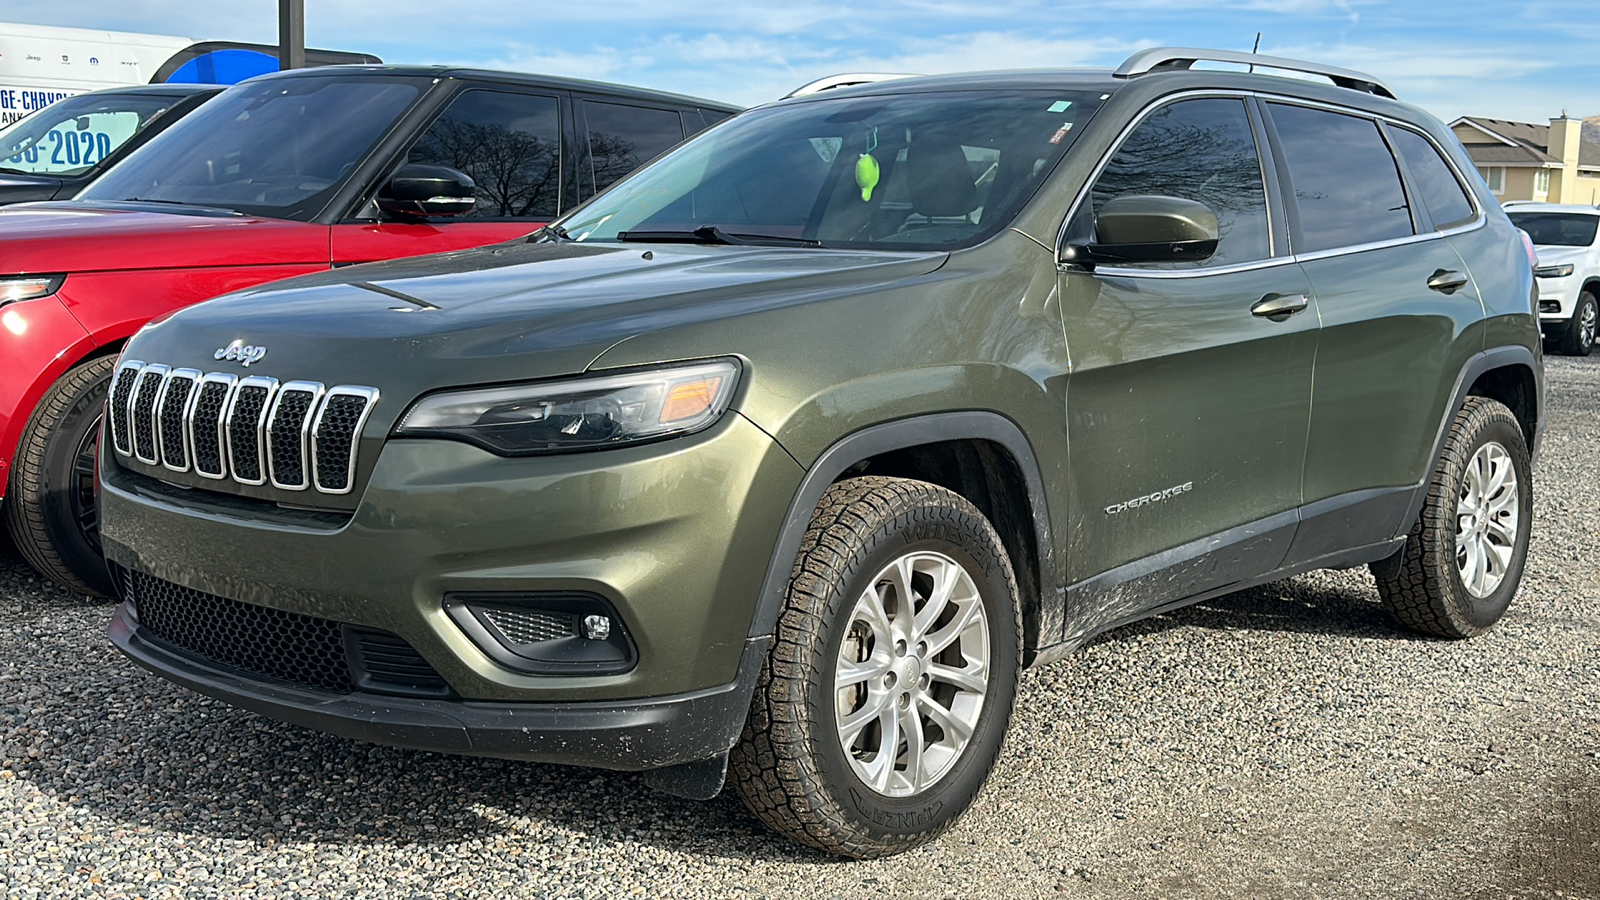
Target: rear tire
1578,339
1464,557
50,508
881,708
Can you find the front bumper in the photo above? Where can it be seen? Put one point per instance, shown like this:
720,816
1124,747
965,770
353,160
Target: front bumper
1557,297
675,536
631,736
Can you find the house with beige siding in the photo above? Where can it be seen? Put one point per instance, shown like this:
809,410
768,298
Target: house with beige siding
1555,163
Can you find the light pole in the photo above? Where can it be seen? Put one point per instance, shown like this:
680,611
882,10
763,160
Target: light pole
291,34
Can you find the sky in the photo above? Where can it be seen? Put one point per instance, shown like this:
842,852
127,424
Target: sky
1521,61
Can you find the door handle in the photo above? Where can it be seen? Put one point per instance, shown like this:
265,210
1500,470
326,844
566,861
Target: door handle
1278,307
1447,281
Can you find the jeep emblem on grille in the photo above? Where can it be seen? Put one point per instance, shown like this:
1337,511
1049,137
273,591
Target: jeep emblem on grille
241,352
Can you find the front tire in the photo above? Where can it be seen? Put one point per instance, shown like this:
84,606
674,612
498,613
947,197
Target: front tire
1578,339
1464,557
50,509
883,703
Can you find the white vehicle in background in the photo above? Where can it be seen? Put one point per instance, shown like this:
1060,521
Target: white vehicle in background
40,64
1567,239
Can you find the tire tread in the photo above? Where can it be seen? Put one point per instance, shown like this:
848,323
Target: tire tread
1419,594
770,767
24,507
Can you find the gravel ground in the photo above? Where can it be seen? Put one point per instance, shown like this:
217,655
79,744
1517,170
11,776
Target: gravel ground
1286,741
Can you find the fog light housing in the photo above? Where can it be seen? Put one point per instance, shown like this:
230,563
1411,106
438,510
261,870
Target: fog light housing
554,633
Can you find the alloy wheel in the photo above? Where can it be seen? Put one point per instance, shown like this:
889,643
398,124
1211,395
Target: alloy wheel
912,673
1487,512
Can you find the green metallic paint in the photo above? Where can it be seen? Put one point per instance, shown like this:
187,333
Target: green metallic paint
1176,383
1387,361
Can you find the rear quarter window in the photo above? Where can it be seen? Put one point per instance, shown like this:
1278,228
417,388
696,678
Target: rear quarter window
1433,180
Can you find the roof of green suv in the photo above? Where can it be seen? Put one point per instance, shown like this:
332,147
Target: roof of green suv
1343,86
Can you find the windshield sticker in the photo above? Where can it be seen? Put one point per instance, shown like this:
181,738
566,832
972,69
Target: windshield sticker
1060,106
1060,133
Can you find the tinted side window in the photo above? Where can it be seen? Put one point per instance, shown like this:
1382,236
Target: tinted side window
1346,182
623,138
510,144
1441,193
1200,150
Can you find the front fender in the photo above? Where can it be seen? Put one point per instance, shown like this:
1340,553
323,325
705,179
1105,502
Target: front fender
898,435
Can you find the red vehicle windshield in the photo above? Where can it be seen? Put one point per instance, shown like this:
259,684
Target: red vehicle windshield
279,148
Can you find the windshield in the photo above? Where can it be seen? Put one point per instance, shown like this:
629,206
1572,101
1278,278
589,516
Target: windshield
71,136
912,171
276,148
1557,229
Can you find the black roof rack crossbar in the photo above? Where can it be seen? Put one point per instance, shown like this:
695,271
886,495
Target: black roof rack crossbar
1160,59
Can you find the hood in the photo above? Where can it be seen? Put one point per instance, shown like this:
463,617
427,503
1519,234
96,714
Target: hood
67,236
1559,254
503,313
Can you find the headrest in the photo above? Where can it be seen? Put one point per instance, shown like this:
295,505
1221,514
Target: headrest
940,179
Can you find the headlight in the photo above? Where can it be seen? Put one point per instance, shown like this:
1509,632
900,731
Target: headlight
584,413
29,287
1553,271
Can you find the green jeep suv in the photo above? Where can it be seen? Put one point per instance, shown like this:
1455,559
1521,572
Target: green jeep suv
776,462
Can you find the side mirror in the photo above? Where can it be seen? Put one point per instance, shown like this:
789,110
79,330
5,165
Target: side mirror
418,191
1145,228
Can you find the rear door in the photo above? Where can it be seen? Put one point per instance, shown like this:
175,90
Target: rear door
1400,318
1186,409
509,142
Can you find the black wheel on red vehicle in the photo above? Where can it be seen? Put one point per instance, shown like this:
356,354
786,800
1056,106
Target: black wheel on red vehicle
50,508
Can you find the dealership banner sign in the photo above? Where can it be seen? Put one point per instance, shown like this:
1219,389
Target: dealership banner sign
17,101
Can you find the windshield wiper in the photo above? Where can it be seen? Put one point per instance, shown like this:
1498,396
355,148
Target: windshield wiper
549,231
711,234
221,209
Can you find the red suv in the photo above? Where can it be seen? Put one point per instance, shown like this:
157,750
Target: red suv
282,175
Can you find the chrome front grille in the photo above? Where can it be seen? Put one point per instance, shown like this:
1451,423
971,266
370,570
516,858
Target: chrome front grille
297,435
171,403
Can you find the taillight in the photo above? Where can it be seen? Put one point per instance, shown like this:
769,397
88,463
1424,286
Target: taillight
1527,244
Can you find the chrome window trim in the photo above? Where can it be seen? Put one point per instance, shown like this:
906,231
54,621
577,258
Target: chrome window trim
271,385
1122,137
230,381
371,396
119,435
1380,245
1124,272
183,420
153,370
315,389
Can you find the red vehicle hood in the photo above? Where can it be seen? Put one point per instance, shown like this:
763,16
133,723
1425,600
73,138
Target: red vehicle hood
67,237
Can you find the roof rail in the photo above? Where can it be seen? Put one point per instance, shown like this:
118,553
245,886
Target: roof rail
844,80
1160,59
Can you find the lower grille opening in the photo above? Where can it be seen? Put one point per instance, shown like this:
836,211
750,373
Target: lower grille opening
385,663
274,644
